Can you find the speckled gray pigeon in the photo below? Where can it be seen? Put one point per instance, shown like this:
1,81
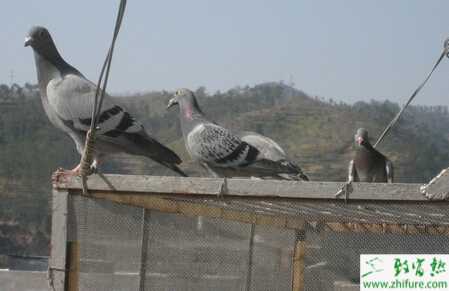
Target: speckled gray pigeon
369,165
68,98
221,152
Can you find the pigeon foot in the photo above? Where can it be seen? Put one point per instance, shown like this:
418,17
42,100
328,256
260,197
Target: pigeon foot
346,189
61,175
223,189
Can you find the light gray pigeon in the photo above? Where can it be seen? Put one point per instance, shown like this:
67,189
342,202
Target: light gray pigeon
221,152
68,98
368,165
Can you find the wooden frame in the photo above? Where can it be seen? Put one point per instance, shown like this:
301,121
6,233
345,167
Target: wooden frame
73,266
438,187
298,261
244,188
164,193
57,264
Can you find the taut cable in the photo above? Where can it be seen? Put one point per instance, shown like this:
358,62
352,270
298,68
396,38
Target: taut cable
89,146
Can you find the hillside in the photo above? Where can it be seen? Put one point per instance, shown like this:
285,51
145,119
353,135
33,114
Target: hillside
316,133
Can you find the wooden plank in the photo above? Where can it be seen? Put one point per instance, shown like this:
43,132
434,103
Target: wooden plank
146,184
322,190
386,228
58,250
144,248
245,187
73,266
250,258
191,209
298,262
346,286
23,280
438,187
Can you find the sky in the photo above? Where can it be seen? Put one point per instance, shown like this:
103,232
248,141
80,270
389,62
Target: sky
347,50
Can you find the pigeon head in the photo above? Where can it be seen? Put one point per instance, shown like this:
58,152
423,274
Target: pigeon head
42,43
39,38
361,137
45,50
186,101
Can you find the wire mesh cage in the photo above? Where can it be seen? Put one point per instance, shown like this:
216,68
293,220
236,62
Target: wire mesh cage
181,236
130,248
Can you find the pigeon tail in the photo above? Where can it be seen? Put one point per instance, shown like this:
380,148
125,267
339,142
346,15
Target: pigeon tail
159,153
292,177
153,149
175,168
297,172
269,167
291,167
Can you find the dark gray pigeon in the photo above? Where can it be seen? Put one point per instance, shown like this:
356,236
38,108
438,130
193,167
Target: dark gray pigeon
221,152
368,164
68,98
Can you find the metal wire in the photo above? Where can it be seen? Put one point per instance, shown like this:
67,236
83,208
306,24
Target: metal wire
87,156
445,52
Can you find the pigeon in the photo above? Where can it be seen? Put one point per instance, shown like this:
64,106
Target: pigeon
220,151
68,97
368,165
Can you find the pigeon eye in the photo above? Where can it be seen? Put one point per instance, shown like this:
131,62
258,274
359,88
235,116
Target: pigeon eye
42,33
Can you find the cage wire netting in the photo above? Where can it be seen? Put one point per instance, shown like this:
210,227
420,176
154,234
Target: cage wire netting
123,247
179,253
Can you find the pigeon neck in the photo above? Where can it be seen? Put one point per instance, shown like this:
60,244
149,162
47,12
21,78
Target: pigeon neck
190,111
51,66
367,147
190,116
46,71
52,56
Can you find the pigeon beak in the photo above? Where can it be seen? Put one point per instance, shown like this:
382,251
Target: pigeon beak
171,103
359,140
28,41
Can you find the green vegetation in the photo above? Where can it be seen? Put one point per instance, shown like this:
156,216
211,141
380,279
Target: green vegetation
317,133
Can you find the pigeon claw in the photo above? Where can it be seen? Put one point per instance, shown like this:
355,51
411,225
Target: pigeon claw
223,189
61,175
346,190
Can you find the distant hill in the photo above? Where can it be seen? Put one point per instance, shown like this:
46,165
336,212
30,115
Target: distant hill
315,132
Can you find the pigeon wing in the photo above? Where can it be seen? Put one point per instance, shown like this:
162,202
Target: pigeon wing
215,145
272,156
268,147
72,98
